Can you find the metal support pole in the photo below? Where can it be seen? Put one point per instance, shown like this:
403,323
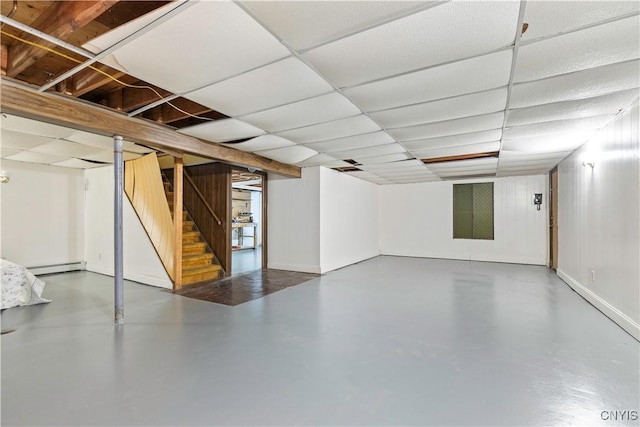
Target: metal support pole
117,230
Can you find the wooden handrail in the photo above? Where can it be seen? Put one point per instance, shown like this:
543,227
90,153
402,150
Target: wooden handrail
206,205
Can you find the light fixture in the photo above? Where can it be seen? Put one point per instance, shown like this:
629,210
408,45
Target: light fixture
4,177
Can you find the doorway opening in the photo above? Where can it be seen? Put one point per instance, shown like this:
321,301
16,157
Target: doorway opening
248,230
553,219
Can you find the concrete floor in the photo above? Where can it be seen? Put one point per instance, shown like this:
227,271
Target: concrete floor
246,260
389,341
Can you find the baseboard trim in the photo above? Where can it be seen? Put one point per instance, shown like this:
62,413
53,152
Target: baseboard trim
349,262
621,319
134,277
525,261
58,268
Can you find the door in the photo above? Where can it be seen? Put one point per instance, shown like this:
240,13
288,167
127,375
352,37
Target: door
553,219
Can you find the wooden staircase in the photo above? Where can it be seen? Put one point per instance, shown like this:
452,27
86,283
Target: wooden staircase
199,264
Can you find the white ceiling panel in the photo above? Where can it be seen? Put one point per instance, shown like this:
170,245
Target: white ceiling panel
106,156
521,172
33,127
6,152
581,84
77,164
321,160
565,110
454,140
136,148
445,109
312,23
352,142
222,130
454,30
581,127
377,150
457,151
449,127
293,154
264,142
425,178
424,172
32,157
367,176
387,158
331,130
323,108
276,84
514,158
64,148
211,35
545,143
20,140
405,165
92,139
593,47
489,72
547,18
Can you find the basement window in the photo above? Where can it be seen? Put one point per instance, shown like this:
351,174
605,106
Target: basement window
473,211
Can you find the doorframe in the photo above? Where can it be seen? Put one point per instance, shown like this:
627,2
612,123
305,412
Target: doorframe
553,218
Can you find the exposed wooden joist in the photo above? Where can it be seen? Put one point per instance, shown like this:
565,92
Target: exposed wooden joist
87,80
461,157
4,57
129,99
63,110
165,113
59,20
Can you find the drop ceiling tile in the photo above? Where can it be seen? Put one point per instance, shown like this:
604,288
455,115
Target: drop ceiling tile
352,142
446,109
581,84
593,47
547,18
22,141
77,164
489,72
264,142
521,172
457,150
404,165
454,30
313,23
32,157
137,148
425,178
64,148
424,172
565,110
387,158
106,156
454,140
211,35
291,155
323,108
222,130
364,175
579,127
545,143
276,84
92,139
321,160
377,150
6,152
332,130
449,127
33,127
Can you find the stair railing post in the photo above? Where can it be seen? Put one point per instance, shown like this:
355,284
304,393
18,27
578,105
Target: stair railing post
117,230
177,221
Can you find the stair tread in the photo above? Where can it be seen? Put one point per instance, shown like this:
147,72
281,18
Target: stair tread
191,257
199,270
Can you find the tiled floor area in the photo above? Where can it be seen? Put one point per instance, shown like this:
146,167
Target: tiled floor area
389,341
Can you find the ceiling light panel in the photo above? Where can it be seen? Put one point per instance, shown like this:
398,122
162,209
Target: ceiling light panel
454,30
580,127
33,127
211,33
264,142
331,130
33,157
449,127
601,45
547,18
581,84
313,23
378,150
77,164
303,113
276,84
565,110
446,109
223,130
294,154
458,150
387,158
489,72
61,147
352,142
22,141
454,140
545,143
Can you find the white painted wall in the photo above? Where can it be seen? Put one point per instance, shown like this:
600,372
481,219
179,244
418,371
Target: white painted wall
348,220
599,221
294,222
42,214
141,263
417,220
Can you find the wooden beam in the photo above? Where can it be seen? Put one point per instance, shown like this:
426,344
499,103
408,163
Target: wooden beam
60,20
461,157
177,221
4,59
24,101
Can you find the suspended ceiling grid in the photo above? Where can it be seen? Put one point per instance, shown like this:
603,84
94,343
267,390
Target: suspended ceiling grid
379,86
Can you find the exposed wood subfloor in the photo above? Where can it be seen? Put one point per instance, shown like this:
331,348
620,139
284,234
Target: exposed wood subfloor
245,287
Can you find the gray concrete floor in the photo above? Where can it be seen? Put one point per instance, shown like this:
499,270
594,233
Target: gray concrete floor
389,341
245,260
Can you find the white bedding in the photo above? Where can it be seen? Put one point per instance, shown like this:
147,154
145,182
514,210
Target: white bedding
19,286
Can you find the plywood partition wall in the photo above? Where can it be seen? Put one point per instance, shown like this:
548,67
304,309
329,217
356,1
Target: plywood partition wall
144,188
